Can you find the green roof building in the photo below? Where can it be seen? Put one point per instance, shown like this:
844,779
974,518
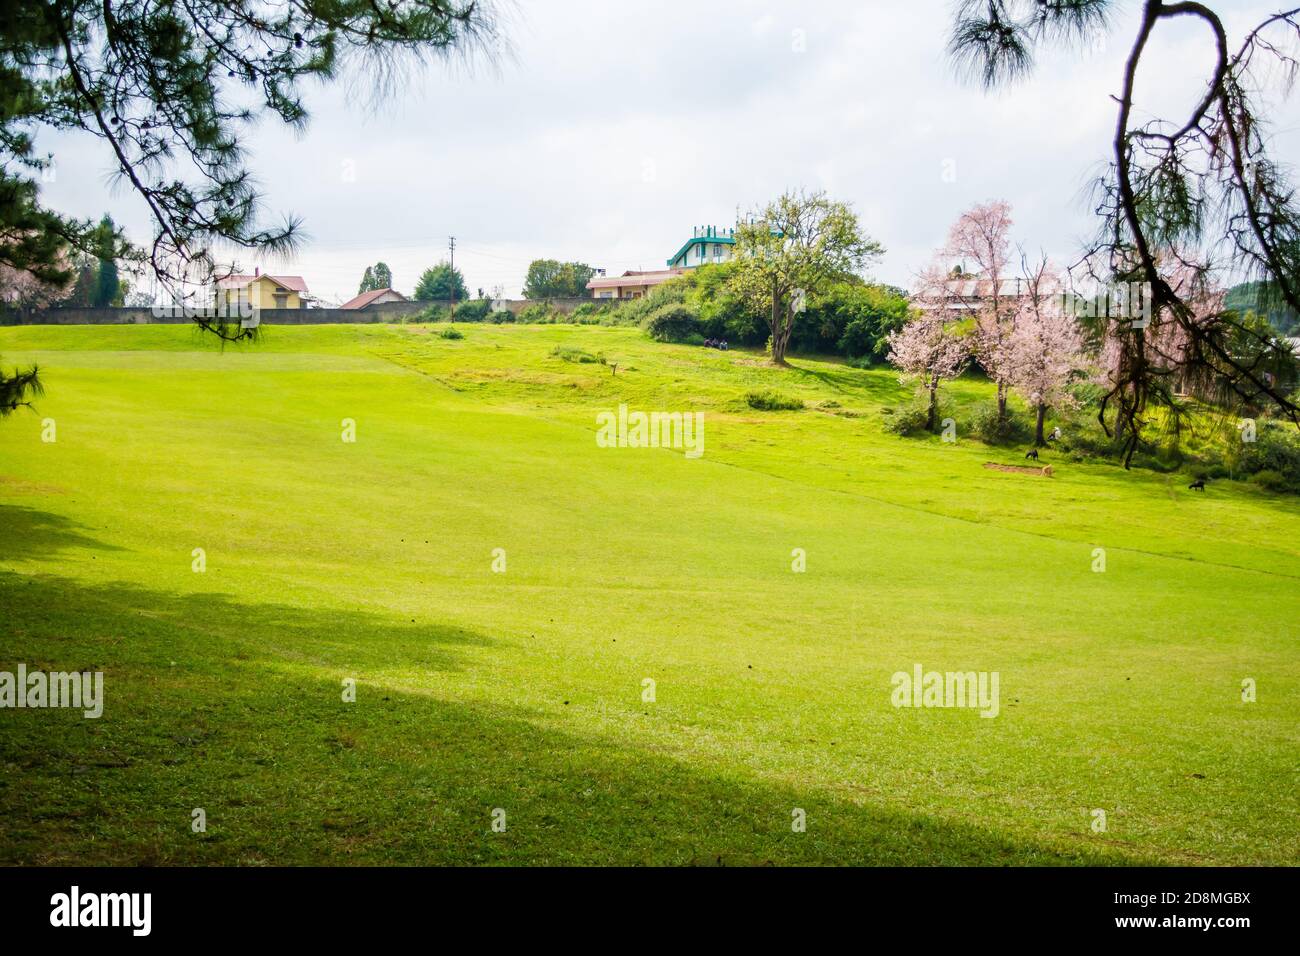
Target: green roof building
708,244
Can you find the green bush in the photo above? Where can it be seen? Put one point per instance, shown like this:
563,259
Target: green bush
451,333
673,323
430,313
1276,449
672,292
695,339
1010,430
911,419
475,310
1272,480
541,313
593,313
767,400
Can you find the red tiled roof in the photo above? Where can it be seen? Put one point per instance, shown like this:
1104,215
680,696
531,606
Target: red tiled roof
296,283
365,298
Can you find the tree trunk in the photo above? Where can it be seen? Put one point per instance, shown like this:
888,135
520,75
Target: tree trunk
779,334
1002,401
933,412
1038,428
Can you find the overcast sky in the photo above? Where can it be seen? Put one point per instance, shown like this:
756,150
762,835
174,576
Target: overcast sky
615,127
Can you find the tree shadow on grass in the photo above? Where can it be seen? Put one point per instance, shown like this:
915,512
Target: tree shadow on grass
246,722
867,386
27,534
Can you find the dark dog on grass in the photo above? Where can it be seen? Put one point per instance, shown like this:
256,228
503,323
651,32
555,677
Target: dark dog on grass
1197,485
1032,453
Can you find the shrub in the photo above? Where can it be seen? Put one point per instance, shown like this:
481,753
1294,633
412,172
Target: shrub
1272,480
1275,449
540,313
430,313
499,316
451,333
475,310
673,323
672,292
909,420
593,313
767,400
1010,430
695,339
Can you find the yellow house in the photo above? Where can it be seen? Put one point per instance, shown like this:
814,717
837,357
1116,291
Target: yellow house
262,291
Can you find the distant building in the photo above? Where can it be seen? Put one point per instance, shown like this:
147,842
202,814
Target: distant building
968,293
262,291
630,285
374,297
708,245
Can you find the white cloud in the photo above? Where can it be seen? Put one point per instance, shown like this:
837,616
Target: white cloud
618,127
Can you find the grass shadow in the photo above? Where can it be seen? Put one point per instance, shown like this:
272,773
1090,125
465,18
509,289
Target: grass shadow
29,534
236,709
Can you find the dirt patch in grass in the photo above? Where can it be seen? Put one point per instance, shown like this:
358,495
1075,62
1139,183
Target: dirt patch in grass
17,486
1045,471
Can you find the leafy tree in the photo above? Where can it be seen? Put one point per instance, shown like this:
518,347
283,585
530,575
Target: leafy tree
86,278
107,284
929,350
793,249
724,312
172,89
376,277
1185,191
853,319
552,279
439,283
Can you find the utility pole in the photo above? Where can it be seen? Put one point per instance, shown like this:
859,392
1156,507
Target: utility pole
451,247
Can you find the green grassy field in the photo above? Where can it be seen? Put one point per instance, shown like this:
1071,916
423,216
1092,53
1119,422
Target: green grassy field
522,690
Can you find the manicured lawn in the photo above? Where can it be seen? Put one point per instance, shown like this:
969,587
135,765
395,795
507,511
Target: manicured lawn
523,690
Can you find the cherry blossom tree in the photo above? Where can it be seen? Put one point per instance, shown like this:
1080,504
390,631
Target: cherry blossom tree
1044,346
21,289
927,350
981,240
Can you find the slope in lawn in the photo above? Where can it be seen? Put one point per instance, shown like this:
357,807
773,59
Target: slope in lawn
523,690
